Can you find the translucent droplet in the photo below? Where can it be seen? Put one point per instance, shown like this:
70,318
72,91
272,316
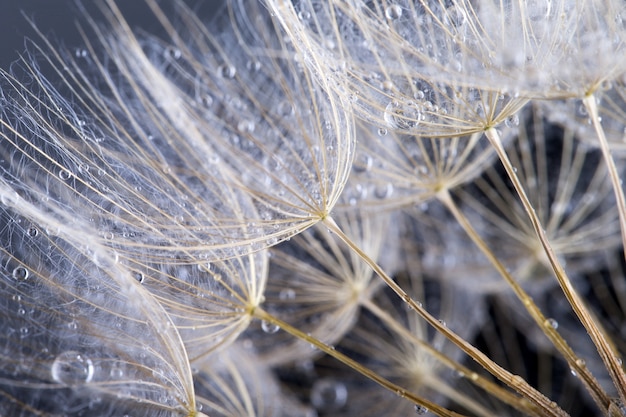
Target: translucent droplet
287,294
32,231
226,71
284,108
388,85
81,53
172,52
393,12
207,100
328,395
20,273
512,121
382,131
65,174
402,116
140,277
269,328
83,168
71,368
420,410
552,323
246,126
304,15
253,65
363,163
383,191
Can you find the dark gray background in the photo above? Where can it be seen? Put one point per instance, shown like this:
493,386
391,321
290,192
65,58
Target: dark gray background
58,20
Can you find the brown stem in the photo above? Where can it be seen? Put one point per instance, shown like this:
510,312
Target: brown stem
597,336
543,404
576,364
351,363
495,390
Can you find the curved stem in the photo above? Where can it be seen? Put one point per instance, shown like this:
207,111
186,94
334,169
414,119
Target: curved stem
351,363
592,110
576,364
603,346
544,405
488,386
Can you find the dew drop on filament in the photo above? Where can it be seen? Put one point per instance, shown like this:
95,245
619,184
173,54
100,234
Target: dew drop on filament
393,12
71,368
268,327
20,273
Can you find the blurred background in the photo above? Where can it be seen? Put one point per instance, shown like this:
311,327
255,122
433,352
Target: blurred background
58,21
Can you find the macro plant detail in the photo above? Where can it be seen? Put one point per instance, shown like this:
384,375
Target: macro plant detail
317,208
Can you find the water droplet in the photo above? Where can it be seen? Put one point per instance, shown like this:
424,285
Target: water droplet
304,15
246,126
552,323
140,277
284,108
393,12
83,168
71,368
269,328
383,191
81,53
65,174
226,71
382,131
172,52
32,231
328,395
206,100
363,163
287,294
420,410
253,65
512,121
402,116
20,273
116,373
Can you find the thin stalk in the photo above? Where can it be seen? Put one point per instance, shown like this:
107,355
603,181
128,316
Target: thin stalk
576,364
603,346
495,390
609,356
592,111
545,407
351,363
